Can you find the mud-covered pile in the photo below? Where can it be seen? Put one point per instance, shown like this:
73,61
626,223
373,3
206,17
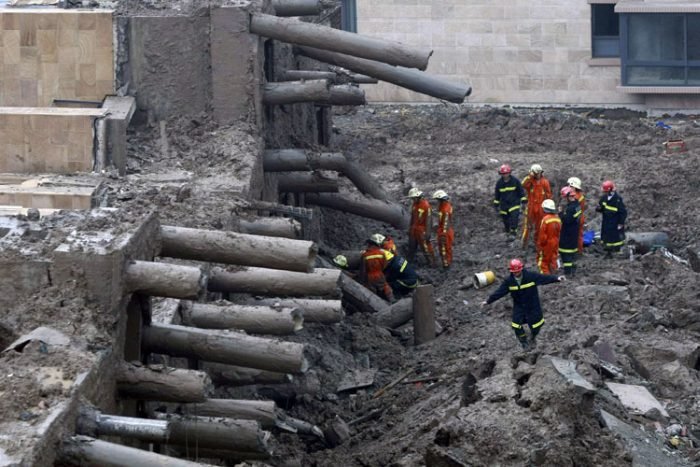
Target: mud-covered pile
488,403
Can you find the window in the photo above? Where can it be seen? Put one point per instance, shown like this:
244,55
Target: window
660,49
349,15
605,31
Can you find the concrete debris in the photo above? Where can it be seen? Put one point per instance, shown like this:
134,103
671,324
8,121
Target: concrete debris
567,369
646,451
615,292
43,334
357,379
637,398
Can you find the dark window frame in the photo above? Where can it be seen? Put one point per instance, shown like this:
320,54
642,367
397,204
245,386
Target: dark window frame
348,15
597,40
626,63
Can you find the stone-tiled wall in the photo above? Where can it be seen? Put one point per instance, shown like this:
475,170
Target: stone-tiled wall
516,51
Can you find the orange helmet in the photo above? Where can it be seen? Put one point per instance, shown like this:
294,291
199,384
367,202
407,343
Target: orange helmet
515,265
608,185
504,169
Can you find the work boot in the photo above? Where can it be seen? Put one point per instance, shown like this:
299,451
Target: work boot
524,343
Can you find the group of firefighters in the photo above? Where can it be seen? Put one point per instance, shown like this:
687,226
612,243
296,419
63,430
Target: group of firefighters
384,271
557,231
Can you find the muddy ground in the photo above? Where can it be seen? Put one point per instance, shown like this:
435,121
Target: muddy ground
521,412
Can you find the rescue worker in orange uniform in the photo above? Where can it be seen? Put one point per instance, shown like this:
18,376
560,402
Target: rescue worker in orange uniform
537,189
575,183
445,231
389,244
548,238
421,227
374,261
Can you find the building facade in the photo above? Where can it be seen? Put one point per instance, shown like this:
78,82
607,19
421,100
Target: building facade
585,52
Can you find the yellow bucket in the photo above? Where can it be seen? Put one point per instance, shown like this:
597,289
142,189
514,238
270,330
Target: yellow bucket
483,279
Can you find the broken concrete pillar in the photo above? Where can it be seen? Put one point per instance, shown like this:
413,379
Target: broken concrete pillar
251,319
240,249
313,35
397,314
84,450
383,211
295,92
646,241
225,347
233,375
270,227
315,311
361,297
312,182
346,94
162,383
321,282
423,314
297,7
404,77
299,160
243,435
164,279
263,412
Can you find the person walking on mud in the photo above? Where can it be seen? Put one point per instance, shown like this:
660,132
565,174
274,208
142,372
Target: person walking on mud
570,213
522,286
445,231
421,227
508,197
612,231
537,189
548,238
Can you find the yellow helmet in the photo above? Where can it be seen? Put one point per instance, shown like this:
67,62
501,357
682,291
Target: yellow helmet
440,194
548,205
414,193
340,261
574,182
377,239
536,169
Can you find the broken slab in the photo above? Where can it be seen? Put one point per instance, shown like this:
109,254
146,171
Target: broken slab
48,336
646,451
567,369
637,398
616,292
357,379
119,112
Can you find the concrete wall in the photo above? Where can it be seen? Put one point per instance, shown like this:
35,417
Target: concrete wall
35,140
53,53
515,51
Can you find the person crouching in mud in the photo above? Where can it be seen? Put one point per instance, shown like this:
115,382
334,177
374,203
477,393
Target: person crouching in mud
522,285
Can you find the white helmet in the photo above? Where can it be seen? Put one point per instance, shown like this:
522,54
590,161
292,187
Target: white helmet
536,169
440,194
414,193
377,239
574,182
341,261
548,205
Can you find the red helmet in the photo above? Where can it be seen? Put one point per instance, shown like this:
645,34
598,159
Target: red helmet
515,265
608,185
504,169
566,191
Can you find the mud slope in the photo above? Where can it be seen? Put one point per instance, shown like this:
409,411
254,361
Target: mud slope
492,404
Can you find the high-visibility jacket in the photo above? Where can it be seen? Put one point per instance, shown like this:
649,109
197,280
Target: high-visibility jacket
581,197
444,217
526,300
568,238
399,270
508,195
536,190
548,243
445,232
614,214
420,215
374,261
